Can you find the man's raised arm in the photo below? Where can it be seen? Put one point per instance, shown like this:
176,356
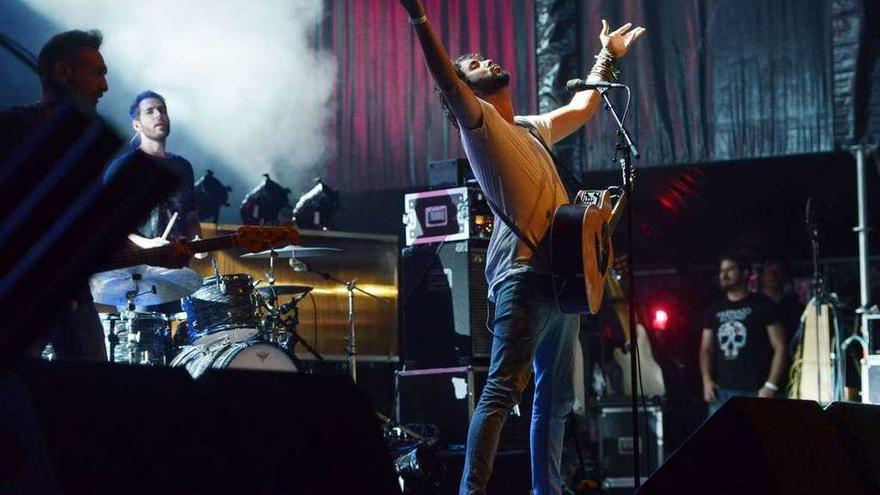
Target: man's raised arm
569,118
461,99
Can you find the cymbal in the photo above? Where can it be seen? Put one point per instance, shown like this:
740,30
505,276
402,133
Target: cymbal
285,290
114,286
297,252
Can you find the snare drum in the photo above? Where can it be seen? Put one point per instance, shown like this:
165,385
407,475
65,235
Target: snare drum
223,308
250,355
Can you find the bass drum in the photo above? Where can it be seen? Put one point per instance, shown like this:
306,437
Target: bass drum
249,355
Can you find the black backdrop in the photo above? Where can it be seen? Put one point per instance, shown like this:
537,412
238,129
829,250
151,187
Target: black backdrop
721,80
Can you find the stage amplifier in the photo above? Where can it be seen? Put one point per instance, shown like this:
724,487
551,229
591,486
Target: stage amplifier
444,311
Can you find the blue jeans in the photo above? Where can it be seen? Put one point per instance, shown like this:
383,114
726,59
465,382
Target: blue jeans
528,327
723,394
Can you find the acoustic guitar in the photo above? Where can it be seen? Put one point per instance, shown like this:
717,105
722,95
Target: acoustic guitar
580,248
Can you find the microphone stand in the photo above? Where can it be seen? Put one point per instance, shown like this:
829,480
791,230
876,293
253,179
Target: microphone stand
351,347
624,151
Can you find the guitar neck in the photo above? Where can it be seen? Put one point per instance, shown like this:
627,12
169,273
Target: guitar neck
617,212
155,256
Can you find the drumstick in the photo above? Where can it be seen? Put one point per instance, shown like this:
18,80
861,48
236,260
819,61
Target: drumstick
170,224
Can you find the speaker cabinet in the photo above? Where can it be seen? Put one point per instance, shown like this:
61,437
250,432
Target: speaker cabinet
444,307
766,446
100,428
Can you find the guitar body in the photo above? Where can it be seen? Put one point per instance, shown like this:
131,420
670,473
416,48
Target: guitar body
581,251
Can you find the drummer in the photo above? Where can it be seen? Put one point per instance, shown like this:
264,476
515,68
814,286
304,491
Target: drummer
177,216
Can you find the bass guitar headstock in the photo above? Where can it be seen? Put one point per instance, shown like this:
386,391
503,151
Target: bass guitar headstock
255,238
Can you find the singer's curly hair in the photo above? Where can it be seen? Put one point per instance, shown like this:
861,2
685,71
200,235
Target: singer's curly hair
461,75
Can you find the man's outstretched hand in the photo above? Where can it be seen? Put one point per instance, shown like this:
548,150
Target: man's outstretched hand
617,41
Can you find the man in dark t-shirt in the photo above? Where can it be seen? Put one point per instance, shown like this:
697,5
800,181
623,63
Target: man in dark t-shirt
149,118
742,351
70,65
177,214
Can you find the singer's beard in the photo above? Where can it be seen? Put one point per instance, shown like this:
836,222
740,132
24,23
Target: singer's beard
492,83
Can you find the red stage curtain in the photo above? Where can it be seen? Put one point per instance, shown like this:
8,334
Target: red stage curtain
387,123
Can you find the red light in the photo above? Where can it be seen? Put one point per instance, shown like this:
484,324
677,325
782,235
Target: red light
661,319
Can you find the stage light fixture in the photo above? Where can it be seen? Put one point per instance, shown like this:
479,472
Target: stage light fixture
211,195
265,203
419,470
315,208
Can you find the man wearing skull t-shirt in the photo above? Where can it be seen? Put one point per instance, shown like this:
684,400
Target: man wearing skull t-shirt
742,351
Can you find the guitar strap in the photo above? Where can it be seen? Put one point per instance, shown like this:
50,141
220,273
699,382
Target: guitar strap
571,184
512,226
569,181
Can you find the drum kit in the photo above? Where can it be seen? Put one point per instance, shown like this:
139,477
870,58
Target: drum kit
228,320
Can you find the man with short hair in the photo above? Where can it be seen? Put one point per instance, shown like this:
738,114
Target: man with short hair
70,64
511,162
742,351
150,120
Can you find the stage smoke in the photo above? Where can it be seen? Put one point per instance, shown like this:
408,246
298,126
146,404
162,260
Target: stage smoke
248,91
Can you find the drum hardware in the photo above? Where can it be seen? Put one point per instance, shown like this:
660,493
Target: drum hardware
112,339
135,337
277,327
298,291
350,342
294,253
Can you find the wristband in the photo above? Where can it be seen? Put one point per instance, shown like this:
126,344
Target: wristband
771,386
415,21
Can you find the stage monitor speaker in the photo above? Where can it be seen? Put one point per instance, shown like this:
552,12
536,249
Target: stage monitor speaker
857,427
444,309
764,446
141,430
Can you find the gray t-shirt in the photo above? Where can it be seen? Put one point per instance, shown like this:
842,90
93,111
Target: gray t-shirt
518,175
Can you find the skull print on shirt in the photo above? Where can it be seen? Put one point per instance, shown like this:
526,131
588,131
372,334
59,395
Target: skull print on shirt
732,335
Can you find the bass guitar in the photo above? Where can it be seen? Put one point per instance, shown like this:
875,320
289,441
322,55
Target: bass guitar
249,237
652,382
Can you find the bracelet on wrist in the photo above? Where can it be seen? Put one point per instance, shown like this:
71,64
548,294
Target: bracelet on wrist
605,68
415,21
771,386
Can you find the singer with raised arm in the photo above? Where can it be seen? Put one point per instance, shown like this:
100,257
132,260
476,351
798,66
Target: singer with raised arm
519,179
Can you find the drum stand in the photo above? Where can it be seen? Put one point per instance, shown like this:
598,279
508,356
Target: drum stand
351,346
135,355
289,325
112,341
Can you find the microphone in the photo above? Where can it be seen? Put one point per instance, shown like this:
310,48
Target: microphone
581,85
